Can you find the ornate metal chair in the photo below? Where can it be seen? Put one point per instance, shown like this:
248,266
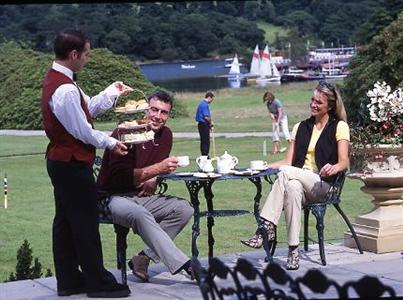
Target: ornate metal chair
245,282
318,209
332,197
121,231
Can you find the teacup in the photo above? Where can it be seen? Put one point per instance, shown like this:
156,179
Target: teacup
183,161
258,165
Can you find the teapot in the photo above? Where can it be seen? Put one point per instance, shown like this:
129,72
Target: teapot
205,164
226,162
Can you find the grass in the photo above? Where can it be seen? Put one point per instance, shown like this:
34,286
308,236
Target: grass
271,31
242,109
31,205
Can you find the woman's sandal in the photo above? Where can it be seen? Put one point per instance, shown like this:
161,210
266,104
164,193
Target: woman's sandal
293,260
257,240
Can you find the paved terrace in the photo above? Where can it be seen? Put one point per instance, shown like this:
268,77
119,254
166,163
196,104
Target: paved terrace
343,264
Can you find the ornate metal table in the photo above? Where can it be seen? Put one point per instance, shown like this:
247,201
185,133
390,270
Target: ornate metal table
194,185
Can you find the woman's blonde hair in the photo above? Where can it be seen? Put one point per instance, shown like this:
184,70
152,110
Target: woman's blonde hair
268,96
333,98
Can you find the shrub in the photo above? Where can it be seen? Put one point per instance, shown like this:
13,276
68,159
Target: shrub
380,60
23,71
23,269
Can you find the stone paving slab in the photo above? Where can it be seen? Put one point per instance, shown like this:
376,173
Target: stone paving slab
343,264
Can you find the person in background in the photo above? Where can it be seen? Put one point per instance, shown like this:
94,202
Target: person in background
67,118
128,185
318,150
204,122
279,116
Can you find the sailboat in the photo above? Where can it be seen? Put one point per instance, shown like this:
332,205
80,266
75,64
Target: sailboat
268,71
235,71
234,74
254,66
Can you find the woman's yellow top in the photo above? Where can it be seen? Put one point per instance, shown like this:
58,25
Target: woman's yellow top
342,133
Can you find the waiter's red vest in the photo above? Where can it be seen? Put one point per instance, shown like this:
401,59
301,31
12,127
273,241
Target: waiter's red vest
63,146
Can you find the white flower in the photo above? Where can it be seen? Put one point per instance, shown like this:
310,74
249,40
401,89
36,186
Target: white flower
384,104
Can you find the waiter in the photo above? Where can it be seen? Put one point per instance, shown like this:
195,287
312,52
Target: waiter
67,118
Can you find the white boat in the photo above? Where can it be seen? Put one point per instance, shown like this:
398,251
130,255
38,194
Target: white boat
254,65
333,73
188,66
234,82
268,71
235,71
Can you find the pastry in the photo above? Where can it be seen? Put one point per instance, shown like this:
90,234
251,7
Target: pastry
138,137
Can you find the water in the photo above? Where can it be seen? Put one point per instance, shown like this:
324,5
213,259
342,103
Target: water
191,76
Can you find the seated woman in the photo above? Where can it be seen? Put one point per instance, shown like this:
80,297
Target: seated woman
317,152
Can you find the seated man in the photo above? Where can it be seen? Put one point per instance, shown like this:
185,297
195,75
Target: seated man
130,182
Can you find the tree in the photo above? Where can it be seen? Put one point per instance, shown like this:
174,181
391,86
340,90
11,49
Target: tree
23,269
302,21
372,27
380,60
23,70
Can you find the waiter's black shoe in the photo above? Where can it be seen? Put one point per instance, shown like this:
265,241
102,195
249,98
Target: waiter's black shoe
115,290
72,291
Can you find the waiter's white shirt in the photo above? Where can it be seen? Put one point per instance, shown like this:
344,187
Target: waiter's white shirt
66,105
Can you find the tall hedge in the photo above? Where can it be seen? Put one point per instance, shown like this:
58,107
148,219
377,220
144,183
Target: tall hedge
380,60
22,71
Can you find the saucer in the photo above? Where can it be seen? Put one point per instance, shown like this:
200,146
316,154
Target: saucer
200,175
184,174
246,172
213,175
260,169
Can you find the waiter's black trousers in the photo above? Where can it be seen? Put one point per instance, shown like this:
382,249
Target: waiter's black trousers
76,239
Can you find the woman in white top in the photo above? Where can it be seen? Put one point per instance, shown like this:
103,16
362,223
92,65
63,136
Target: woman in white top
279,117
318,150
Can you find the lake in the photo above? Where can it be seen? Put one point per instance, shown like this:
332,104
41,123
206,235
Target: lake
191,76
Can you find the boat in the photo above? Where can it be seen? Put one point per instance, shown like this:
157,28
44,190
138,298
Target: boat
254,66
331,70
230,61
302,76
334,73
185,66
235,71
268,71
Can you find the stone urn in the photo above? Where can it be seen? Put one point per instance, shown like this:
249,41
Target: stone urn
381,229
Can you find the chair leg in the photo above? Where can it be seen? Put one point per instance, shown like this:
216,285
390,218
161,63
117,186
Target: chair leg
121,246
319,212
357,242
306,223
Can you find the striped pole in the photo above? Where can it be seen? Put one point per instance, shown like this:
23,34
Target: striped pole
5,190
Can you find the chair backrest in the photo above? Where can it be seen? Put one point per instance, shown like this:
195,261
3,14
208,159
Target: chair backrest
334,192
96,166
247,282
162,186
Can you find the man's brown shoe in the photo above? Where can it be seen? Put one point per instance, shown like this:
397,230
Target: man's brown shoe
139,265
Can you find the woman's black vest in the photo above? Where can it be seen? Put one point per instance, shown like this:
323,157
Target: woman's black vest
325,149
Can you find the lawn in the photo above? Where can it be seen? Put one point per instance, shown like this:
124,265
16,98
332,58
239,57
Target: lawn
242,109
31,206
271,31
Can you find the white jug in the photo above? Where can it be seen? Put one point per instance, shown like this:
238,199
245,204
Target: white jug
205,164
226,162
